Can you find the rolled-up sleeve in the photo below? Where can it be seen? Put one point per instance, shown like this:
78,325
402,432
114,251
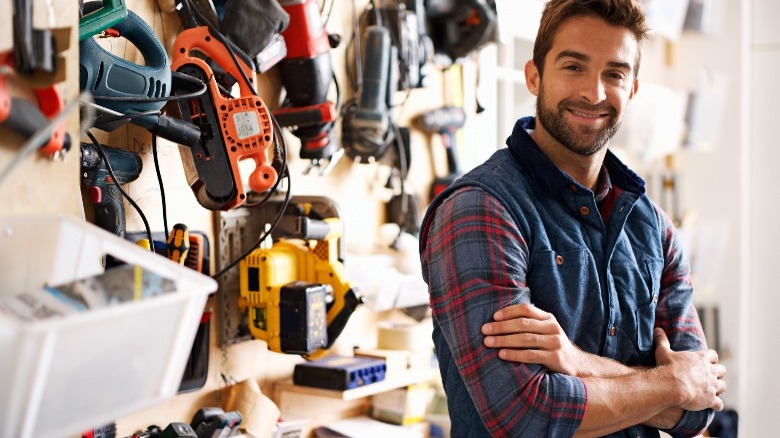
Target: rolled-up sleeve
474,261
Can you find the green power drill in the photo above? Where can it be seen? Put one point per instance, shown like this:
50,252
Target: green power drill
103,190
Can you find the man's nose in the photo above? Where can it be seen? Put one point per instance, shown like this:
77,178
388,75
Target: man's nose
593,90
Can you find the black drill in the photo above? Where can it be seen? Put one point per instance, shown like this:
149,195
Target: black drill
444,121
103,190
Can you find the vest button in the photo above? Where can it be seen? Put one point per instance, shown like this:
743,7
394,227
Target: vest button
559,260
655,298
584,210
612,331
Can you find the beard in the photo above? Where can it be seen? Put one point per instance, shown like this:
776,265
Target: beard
581,140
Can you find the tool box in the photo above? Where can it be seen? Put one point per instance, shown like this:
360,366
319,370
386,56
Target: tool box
62,375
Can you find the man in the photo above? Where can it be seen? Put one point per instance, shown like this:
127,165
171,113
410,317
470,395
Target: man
561,300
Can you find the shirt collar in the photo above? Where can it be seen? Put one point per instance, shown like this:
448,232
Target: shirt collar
526,152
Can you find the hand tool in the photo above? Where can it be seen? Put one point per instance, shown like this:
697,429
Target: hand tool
131,89
306,110
233,129
444,121
285,288
104,194
178,243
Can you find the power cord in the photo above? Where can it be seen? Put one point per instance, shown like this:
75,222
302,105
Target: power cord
103,156
160,183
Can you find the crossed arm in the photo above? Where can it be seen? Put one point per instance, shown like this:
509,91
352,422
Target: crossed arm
619,396
474,261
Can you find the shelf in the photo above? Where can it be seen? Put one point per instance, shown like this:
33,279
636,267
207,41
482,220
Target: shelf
399,381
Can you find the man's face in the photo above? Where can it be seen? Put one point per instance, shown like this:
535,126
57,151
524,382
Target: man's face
587,84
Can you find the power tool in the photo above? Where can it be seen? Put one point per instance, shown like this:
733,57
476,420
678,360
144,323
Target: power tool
232,128
306,74
125,88
212,422
285,288
104,194
366,127
444,121
112,12
405,19
459,27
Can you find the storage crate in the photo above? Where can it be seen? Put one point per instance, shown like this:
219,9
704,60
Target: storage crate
61,376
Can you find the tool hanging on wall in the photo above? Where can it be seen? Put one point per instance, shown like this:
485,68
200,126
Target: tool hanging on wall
367,126
307,76
251,27
104,193
34,52
125,91
233,129
459,27
296,293
444,121
406,21
20,116
97,21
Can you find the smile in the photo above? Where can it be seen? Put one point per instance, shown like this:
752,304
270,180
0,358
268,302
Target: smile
586,115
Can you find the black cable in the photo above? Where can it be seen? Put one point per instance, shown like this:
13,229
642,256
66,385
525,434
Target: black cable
103,156
262,236
128,116
204,88
330,10
160,182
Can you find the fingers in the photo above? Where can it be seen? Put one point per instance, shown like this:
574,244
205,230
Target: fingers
525,310
526,356
711,356
720,370
521,325
660,339
721,387
525,340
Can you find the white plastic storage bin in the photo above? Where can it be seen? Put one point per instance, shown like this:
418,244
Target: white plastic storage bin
61,376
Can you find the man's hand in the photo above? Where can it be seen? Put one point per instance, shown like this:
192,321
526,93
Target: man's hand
698,374
528,334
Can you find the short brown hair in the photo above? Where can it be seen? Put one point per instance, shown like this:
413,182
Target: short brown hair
626,13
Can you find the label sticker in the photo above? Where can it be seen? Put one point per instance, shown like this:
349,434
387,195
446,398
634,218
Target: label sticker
247,124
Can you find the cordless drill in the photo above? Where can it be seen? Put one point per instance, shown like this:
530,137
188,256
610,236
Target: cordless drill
444,121
103,189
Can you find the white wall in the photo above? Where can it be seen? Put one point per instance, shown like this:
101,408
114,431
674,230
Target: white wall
761,324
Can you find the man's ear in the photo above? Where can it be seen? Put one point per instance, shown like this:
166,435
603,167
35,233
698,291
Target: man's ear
634,89
532,78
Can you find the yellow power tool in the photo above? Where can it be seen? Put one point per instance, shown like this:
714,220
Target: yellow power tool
296,293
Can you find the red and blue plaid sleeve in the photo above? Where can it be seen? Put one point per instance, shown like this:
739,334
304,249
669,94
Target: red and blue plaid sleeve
474,260
677,315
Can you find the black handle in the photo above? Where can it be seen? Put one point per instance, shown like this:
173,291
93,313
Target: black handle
448,139
177,131
24,118
110,214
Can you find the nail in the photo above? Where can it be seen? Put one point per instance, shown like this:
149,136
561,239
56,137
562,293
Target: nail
489,341
497,315
487,328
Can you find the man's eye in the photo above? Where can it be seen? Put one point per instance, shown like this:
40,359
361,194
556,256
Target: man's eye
571,67
616,76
